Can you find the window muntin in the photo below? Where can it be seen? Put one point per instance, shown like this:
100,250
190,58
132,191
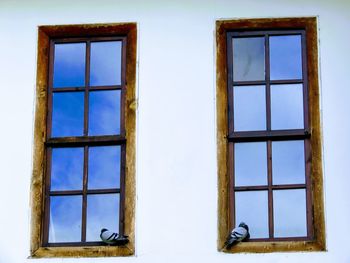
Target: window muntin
272,116
86,136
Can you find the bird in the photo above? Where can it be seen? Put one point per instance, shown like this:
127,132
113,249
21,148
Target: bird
237,235
112,238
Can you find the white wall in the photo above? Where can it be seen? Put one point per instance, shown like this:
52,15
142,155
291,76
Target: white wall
176,159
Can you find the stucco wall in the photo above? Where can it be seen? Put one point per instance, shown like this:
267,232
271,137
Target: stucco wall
176,217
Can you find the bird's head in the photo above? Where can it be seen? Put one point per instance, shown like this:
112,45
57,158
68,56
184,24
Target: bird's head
103,230
242,224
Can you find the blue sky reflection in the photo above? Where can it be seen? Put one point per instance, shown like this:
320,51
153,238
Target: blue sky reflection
105,65
69,65
67,169
68,114
104,112
102,212
285,57
65,219
104,167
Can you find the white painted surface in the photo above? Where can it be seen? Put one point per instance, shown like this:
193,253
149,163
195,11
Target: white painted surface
176,151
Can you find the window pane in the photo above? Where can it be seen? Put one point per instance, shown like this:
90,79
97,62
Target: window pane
67,169
69,65
289,208
287,107
250,163
248,58
105,65
252,209
288,162
68,114
104,112
102,212
65,219
104,167
249,108
285,57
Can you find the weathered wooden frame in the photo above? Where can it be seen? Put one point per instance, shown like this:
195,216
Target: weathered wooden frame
317,242
45,33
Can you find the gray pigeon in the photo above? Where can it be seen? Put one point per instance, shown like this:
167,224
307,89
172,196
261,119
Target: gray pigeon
112,238
237,235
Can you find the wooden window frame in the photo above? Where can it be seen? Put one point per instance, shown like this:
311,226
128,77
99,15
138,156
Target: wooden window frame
43,143
307,28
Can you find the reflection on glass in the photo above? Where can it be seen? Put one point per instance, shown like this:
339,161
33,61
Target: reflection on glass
104,167
288,163
289,210
67,169
248,58
287,107
249,108
252,208
250,163
285,57
102,212
65,219
68,114
104,112
69,65
105,65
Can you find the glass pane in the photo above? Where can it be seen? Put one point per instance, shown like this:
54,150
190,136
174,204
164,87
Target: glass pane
67,169
288,162
104,167
68,114
252,209
105,65
249,108
285,57
287,107
250,163
65,219
69,65
102,212
248,58
104,112
289,209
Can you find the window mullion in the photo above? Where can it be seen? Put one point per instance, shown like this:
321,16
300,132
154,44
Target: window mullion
269,182
84,206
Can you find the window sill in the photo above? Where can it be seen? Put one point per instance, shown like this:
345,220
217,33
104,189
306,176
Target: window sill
280,246
87,251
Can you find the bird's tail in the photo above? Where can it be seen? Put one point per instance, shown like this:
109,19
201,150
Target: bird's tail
230,243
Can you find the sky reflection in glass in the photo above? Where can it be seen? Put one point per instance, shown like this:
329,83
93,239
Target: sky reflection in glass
68,114
287,107
69,65
67,169
104,167
288,163
248,58
104,112
105,65
289,209
102,212
249,108
250,163
65,219
252,208
285,57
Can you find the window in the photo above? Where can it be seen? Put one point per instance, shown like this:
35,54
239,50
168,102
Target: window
270,172
84,156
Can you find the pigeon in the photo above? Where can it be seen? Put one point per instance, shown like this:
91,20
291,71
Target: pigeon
112,238
237,235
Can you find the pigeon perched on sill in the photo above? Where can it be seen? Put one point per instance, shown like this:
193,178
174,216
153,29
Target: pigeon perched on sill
112,238
237,235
